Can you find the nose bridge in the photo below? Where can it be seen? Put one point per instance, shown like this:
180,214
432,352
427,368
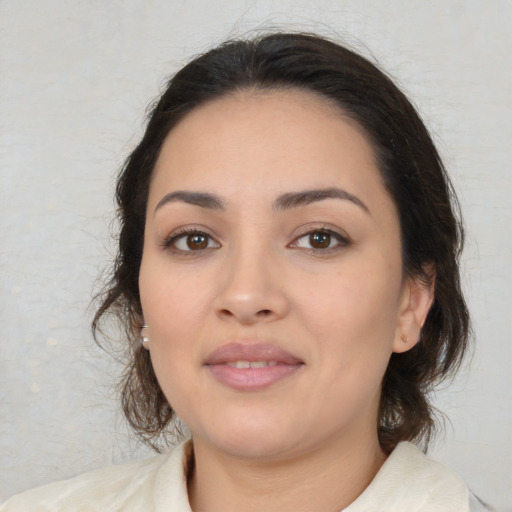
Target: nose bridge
250,287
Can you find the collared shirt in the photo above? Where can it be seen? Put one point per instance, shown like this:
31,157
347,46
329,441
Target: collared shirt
407,482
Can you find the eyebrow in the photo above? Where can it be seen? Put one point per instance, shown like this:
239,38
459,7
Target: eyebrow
202,199
305,197
285,201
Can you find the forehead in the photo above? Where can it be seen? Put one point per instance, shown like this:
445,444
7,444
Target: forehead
273,141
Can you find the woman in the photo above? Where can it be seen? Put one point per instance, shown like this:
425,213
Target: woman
288,281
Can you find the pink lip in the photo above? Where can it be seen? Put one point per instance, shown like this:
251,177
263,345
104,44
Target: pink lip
251,379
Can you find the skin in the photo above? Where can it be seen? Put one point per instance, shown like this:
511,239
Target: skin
257,274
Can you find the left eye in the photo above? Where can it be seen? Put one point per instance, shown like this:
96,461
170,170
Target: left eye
187,242
318,240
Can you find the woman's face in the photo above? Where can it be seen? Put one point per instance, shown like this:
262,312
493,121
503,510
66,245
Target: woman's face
271,277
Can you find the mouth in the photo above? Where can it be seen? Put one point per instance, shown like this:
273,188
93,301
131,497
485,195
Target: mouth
251,366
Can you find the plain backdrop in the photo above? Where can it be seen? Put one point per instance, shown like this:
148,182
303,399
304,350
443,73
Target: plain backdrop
75,80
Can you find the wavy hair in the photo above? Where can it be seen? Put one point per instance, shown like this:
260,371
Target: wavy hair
413,173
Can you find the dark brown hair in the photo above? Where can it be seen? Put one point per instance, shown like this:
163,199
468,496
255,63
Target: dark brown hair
412,171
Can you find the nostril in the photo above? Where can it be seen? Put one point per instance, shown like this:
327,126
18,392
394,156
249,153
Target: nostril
264,312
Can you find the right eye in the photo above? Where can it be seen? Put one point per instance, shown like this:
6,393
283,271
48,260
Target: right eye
191,241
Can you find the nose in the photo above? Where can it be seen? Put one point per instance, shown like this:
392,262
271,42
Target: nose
252,288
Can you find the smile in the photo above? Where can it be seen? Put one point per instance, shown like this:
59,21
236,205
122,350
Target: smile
251,367
251,364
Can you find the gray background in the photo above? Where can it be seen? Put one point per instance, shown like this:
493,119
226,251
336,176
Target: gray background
76,77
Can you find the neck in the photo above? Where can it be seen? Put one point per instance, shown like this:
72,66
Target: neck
327,478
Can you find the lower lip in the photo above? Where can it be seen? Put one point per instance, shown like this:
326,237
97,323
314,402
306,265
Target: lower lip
252,379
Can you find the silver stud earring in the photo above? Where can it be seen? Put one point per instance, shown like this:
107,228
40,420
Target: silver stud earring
144,339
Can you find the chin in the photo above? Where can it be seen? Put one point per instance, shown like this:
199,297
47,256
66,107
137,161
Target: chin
255,447
251,439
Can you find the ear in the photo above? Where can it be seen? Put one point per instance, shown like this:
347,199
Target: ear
415,303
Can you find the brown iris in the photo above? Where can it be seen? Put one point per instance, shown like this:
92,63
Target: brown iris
320,240
195,242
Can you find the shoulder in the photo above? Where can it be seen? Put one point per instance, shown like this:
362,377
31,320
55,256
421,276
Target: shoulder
409,481
412,464
123,487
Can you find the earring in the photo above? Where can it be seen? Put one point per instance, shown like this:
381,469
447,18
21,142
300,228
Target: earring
404,338
144,339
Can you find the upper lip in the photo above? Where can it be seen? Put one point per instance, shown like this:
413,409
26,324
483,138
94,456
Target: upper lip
251,352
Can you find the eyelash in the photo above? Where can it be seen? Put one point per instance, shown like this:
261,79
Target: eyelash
342,240
170,241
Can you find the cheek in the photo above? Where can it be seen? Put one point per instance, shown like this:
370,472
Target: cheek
171,311
177,307
353,314
353,299
171,300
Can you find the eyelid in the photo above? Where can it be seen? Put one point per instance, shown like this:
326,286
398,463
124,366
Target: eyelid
342,238
182,232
